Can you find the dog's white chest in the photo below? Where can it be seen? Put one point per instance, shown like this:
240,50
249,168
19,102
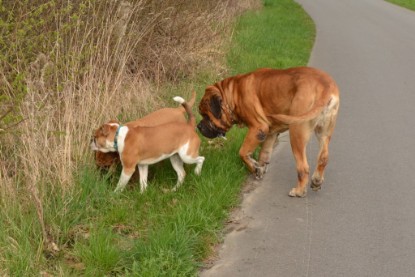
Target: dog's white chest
121,138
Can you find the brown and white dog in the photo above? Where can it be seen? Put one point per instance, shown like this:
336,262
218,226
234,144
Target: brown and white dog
158,117
271,101
142,146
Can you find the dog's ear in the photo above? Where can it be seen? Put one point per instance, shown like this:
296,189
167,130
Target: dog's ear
113,121
105,130
216,106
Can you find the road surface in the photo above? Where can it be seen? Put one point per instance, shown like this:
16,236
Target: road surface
362,222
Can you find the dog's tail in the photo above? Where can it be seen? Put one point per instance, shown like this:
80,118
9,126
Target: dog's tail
190,116
321,107
192,100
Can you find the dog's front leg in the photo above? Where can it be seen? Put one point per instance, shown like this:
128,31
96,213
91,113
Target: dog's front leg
143,169
252,140
266,150
124,178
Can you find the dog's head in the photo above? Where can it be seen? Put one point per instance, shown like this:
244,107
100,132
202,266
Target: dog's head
215,122
103,137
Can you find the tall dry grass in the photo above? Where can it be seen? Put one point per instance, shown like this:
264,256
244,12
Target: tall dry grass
91,61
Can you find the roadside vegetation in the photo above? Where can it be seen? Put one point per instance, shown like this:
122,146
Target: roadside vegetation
67,67
409,4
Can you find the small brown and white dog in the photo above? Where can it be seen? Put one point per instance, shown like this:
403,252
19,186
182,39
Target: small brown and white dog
107,160
142,146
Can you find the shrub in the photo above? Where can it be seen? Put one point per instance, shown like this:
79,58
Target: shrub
68,66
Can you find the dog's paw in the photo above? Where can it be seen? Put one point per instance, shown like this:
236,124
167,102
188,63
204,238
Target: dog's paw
316,183
297,192
315,186
260,171
166,190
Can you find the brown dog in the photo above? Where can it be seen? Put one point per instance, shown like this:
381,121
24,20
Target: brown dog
143,146
158,117
271,101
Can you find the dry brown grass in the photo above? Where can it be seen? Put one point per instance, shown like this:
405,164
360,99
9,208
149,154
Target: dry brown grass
103,59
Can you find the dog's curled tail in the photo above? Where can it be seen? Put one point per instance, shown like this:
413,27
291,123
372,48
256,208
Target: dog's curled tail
192,100
188,108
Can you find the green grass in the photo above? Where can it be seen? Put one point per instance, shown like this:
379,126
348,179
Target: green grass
281,35
100,233
409,4
150,234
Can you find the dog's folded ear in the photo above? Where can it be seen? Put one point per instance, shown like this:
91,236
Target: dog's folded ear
105,130
216,106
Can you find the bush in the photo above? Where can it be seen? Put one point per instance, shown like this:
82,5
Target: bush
68,66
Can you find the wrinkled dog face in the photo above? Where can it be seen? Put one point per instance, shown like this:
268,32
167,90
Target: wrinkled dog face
103,138
214,123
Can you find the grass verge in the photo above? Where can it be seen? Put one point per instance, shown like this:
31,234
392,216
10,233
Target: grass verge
99,233
409,4
281,35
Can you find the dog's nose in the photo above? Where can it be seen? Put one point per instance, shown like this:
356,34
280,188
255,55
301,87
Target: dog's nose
202,129
205,131
93,144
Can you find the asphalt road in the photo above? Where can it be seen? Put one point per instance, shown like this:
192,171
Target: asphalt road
362,222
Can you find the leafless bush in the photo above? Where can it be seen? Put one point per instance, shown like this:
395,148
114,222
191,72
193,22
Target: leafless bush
72,65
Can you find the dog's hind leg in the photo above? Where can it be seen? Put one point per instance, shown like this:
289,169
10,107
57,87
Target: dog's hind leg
177,164
143,169
198,160
323,157
199,164
189,154
323,131
299,137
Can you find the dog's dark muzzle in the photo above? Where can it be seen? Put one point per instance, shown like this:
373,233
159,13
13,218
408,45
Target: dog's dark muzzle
209,130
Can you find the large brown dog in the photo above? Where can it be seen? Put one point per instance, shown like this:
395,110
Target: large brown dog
271,101
158,117
143,146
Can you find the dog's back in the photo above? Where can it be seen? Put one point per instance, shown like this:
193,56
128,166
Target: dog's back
166,115
165,139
